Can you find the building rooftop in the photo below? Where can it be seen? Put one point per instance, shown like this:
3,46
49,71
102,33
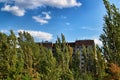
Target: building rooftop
84,42
72,44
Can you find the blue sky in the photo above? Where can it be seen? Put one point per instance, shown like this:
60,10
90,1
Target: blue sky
47,19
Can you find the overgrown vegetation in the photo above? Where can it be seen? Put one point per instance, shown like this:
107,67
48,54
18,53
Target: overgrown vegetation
22,59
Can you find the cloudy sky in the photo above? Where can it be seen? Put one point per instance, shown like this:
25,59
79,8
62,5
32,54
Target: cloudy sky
47,19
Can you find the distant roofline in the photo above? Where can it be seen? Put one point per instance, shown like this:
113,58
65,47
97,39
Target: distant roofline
67,41
76,43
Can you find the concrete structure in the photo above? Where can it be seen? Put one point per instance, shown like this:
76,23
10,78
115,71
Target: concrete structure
77,46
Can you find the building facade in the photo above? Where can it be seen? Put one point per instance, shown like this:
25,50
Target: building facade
77,46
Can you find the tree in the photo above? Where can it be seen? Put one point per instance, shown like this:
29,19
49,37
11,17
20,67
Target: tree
9,59
100,63
75,65
89,59
89,63
111,36
113,72
47,65
62,55
4,65
111,39
29,51
13,56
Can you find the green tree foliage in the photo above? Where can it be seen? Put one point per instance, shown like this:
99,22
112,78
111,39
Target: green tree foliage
100,63
22,59
75,65
47,65
9,56
29,53
111,42
4,60
62,55
89,59
111,35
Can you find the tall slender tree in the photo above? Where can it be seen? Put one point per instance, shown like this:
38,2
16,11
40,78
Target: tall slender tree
4,60
62,55
29,51
111,36
100,63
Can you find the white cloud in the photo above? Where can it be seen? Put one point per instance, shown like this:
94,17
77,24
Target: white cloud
42,20
98,42
22,5
39,34
4,31
31,4
13,9
47,16
61,3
